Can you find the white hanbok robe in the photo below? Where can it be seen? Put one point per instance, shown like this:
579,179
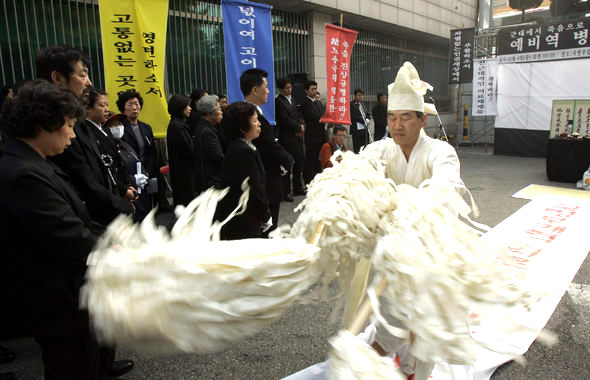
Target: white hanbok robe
430,159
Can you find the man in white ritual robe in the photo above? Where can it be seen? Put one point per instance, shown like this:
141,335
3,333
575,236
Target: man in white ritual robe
411,157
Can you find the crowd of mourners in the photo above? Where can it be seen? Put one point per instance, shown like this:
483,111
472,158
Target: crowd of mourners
70,166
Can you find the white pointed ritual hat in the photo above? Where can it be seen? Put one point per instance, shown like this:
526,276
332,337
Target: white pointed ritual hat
407,92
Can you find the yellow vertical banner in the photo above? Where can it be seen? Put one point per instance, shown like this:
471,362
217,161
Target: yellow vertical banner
134,50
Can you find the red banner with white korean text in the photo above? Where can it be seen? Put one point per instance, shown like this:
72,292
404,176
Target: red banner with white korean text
339,43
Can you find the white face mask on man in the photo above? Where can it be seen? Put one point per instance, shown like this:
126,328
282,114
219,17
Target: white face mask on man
117,131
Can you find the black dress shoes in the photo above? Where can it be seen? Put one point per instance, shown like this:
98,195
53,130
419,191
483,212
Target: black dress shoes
120,367
6,356
300,192
289,198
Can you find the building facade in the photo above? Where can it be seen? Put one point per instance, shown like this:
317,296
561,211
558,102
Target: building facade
390,32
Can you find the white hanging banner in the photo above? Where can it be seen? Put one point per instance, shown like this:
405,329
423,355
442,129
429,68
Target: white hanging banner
485,87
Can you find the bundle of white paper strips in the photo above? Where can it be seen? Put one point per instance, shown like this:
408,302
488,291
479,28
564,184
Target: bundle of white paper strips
352,358
190,291
443,280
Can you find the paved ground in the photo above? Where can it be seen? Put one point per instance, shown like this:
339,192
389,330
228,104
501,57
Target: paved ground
299,339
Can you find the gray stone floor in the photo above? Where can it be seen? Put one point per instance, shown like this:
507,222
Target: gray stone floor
299,339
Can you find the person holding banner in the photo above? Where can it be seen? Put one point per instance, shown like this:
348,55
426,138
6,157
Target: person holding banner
277,161
315,131
68,67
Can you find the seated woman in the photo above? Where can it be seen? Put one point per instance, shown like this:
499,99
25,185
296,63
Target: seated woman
46,231
242,160
179,140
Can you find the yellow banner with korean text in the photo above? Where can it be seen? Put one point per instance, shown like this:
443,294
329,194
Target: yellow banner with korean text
134,51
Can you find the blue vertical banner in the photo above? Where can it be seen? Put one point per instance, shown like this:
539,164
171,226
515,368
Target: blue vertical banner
247,37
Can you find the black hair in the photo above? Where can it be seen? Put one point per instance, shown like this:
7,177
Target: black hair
282,82
177,104
222,96
358,91
251,78
338,128
60,58
308,83
380,94
124,98
237,119
39,105
196,95
93,94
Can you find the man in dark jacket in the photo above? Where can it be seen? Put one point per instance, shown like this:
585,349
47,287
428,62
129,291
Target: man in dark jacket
359,127
277,161
380,116
315,131
68,67
291,129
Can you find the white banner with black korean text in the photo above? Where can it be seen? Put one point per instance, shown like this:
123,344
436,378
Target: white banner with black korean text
485,87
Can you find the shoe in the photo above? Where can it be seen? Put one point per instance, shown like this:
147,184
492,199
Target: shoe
7,376
300,192
289,198
6,356
120,367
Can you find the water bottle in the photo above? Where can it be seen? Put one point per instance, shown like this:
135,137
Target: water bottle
586,180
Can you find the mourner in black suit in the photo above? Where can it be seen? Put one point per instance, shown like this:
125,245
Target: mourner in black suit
82,161
179,139
277,161
290,126
380,116
315,131
97,110
47,234
359,119
140,137
208,146
242,160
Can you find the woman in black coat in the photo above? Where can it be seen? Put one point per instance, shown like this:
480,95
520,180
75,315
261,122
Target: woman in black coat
46,233
242,161
179,140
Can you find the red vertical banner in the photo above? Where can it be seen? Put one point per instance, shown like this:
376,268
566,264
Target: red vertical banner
339,43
